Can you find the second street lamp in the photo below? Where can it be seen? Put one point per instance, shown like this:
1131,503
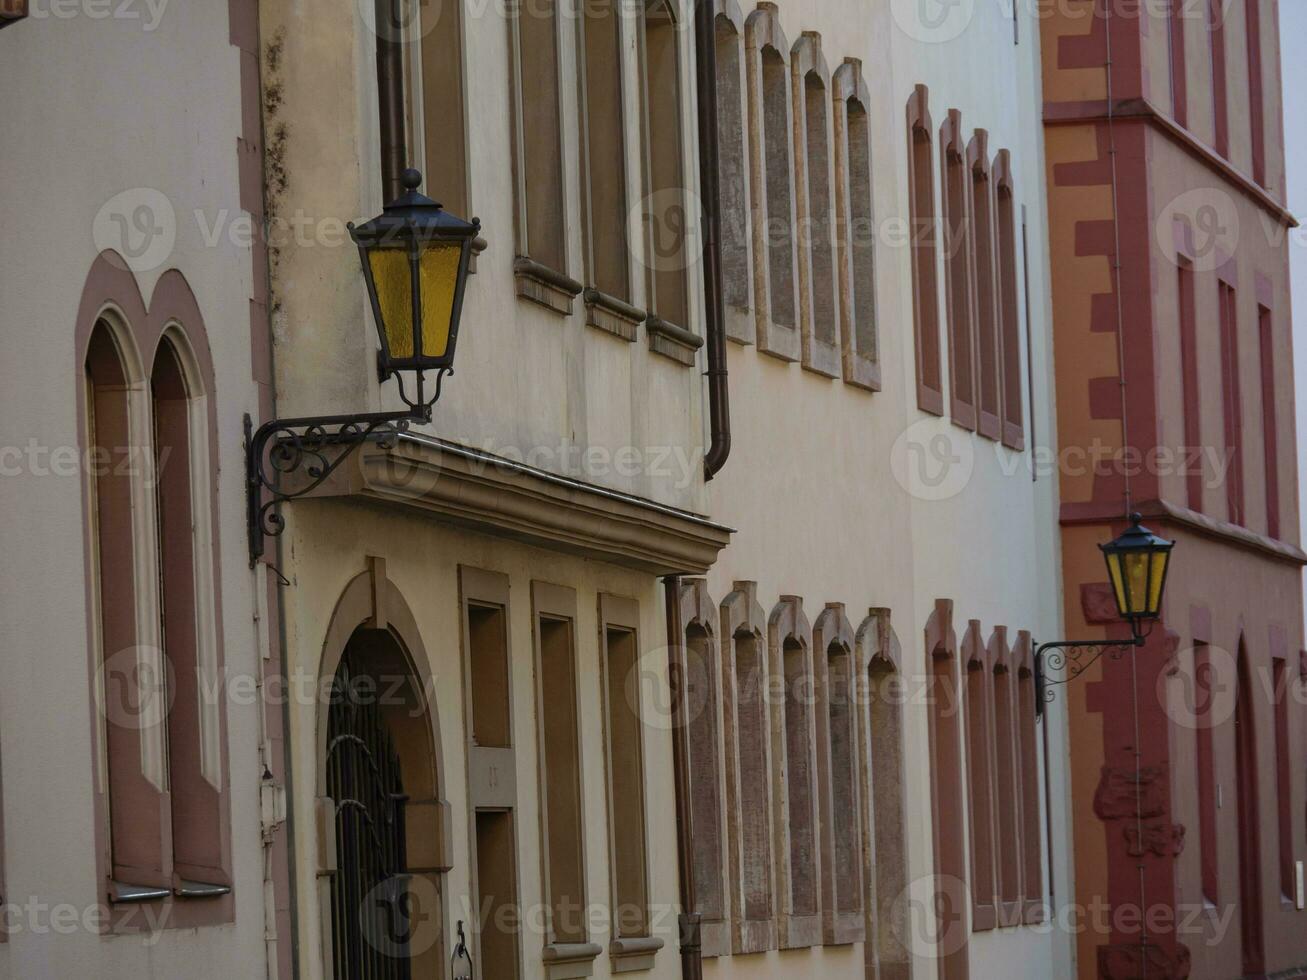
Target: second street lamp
1137,563
416,257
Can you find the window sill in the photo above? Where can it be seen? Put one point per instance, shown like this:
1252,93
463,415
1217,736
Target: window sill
612,315
672,341
630,955
121,893
861,371
200,889
544,286
567,961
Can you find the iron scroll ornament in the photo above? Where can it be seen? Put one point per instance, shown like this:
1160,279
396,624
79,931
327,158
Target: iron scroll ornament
290,458
1070,659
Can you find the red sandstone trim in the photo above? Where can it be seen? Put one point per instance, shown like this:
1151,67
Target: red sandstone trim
1133,111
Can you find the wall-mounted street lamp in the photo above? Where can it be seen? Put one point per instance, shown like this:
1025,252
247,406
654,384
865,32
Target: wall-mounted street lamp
415,259
1137,563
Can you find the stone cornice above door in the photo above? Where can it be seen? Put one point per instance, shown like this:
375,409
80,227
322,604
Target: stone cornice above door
476,489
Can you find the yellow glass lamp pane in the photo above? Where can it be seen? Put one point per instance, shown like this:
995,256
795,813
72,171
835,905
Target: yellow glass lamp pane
1136,579
390,273
1156,580
439,271
1118,583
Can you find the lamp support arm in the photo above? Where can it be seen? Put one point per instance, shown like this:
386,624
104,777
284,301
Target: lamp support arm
1069,659
288,458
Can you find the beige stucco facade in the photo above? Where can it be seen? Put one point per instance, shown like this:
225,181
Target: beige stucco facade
122,201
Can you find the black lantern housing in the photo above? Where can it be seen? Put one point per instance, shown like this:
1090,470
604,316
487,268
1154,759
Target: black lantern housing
415,259
1137,563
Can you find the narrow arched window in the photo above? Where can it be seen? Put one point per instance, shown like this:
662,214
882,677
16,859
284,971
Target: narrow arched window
838,726
989,361
603,162
131,686
948,792
980,788
855,227
886,810
1008,257
771,144
959,271
183,485
733,168
748,771
704,706
1007,780
814,183
923,234
1032,783
794,772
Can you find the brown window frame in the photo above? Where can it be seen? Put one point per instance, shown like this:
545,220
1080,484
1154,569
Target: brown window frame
989,365
979,728
923,231
796,824
1010,295
699,622
959,272
750,857
856,227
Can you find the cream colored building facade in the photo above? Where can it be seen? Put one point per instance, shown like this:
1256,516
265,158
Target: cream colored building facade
136,761
491,604
511,561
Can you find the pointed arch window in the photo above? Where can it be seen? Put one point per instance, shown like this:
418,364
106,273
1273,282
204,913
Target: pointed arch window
703,687
980,770
1007,780
989,358
815,197
748,770
124,587
948,794
1009,304
923,235
885,809
959,270
775,246
183,476
733,171
855,223
839,780
794,774
1032,825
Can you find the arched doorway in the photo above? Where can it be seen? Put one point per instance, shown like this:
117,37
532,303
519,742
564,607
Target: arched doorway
384,823
370,915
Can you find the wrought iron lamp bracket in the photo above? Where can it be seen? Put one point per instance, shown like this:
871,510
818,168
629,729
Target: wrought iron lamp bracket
289,458
1070,659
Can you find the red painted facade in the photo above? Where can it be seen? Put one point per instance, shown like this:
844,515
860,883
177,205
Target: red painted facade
1174,388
